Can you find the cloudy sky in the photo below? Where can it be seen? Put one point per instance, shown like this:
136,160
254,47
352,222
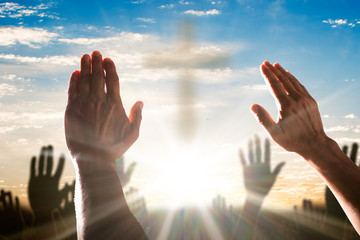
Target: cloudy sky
41,43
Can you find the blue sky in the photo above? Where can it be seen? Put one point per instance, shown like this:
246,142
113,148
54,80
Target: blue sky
41,43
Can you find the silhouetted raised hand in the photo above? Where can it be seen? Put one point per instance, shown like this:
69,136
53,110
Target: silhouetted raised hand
258,178
43,189
124,176
11,219
333,207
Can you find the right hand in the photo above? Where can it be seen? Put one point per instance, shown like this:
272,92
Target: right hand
298,128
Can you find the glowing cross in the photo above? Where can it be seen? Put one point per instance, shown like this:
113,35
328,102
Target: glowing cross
186,59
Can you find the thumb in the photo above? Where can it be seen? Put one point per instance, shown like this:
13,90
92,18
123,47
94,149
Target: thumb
278,169
264,118
135,116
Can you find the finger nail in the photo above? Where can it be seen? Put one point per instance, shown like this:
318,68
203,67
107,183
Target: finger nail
141,105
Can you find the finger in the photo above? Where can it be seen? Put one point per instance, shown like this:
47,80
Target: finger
130,170
353,153
242,157
267,151
97,75
265,119
41,161
17,204
84,79
257,149
278,168
73,87
286,83
345,149
112,81
3,199
60,167
32,167
251,152
292,79
135,117
9,201
276,87
49,162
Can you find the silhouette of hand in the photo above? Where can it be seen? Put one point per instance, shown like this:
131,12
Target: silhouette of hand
44,195
258,178
11,219
68,210
333,207
299,128
96,125
124,176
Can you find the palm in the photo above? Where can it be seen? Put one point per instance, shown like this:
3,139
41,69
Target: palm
258,178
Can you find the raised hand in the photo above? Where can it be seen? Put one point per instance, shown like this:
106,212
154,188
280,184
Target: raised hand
258,178
298,127
43,189
11,219
124,176
333,207
98,131
95,121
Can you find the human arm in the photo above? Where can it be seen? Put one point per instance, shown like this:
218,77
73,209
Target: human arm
258,181
98,131
299,129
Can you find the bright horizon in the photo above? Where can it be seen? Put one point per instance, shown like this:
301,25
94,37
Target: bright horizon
41,44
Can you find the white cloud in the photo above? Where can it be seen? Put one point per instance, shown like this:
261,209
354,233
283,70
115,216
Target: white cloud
32,37
350,116
8,89
168,6
338,22
337,129
184,2
123,36
15,10
259,87
147,20
203,13
56,60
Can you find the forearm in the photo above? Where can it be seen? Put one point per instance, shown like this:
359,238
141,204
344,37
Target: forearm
103,211
331,164
244,229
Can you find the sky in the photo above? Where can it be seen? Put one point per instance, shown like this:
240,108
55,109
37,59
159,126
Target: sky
41,43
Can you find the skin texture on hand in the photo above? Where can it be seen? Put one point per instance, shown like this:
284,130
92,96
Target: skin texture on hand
296,108
258,178
95,121
299,129
43,188
98,131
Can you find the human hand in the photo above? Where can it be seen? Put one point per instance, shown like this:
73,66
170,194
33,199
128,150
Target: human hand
258,178
124,177
298,128
11,219
96,125
43,192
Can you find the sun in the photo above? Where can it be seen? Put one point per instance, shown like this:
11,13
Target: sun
186,176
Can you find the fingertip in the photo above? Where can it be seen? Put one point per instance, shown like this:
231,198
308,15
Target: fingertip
140,104
254,108
96,53
85,59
